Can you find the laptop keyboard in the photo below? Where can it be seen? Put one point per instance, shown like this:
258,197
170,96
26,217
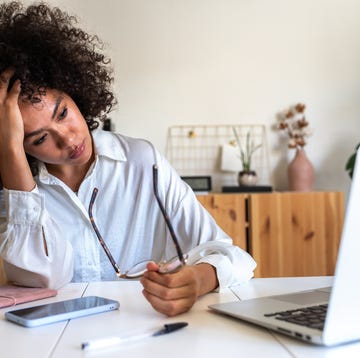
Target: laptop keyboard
312,317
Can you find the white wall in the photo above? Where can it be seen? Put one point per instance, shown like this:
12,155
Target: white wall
236,61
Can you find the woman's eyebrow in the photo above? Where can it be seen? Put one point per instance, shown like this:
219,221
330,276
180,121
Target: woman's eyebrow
31,134
56,107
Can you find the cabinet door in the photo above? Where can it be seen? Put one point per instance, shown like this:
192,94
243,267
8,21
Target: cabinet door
295,234
229,212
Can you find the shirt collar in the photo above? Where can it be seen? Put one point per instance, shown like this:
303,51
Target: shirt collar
108,145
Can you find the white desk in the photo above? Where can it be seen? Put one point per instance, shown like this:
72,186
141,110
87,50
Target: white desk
208,334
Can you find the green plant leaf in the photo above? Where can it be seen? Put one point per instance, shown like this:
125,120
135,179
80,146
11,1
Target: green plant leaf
349,166
246,151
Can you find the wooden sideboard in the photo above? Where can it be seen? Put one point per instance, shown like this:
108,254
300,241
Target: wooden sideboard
287,233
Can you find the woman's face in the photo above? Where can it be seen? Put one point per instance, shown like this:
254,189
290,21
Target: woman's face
55,132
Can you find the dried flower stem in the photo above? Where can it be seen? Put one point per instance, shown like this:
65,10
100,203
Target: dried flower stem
294,123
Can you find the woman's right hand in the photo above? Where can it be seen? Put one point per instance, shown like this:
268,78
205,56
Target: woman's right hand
14,168
11,124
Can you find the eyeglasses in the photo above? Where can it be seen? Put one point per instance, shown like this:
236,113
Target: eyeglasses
138,269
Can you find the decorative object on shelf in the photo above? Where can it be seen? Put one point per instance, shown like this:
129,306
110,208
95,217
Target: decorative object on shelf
198,183
349,167
247,176
107,126
300,170
247,189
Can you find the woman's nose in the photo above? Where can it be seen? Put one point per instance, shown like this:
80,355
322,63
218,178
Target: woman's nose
65,137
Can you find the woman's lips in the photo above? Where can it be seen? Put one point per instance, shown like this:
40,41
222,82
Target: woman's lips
78,151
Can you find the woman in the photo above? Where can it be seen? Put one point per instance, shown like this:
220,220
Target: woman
82,204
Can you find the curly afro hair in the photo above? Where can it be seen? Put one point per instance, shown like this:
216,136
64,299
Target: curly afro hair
47,50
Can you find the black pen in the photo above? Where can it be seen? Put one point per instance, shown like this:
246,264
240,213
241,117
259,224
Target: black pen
116,341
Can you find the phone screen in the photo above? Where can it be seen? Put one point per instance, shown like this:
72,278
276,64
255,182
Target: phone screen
60,311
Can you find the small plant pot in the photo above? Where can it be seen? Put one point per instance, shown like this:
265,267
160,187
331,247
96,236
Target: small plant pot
247,178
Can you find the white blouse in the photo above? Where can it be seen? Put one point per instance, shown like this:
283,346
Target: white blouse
126,214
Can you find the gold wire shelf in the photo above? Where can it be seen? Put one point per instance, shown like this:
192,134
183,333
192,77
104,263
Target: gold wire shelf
199,150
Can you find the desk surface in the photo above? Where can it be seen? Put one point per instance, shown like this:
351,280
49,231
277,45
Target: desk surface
208,334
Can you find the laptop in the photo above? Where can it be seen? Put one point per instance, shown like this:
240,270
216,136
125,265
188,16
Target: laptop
326,316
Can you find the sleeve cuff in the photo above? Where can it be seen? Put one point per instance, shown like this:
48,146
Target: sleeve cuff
233,265
24,207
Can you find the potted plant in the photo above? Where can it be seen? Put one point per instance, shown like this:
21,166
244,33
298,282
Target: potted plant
349,167
247,176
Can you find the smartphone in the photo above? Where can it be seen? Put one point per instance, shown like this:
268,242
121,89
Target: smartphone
60,311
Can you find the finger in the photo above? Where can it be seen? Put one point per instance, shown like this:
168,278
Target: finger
5,76
152,266
169,308
11,100
163,279
4,82
165,292
174,279
15,90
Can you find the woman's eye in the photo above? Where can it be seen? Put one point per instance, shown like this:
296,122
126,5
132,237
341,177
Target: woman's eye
40,140
63,114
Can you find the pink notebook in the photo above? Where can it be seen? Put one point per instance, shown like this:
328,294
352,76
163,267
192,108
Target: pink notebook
11,295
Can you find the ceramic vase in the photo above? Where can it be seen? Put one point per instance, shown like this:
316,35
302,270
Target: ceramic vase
300,172
247,178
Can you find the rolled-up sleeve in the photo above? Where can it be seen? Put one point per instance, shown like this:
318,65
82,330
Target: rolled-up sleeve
33,249
233,265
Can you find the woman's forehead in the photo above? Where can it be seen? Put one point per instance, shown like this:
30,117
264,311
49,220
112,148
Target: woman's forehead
41,101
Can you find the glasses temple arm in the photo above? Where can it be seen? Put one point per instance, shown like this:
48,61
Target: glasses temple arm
97,232
166,217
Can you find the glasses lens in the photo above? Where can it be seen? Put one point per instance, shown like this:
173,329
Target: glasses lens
137,270
164,267
172,265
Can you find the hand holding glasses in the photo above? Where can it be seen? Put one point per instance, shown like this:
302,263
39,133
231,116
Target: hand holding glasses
137,270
